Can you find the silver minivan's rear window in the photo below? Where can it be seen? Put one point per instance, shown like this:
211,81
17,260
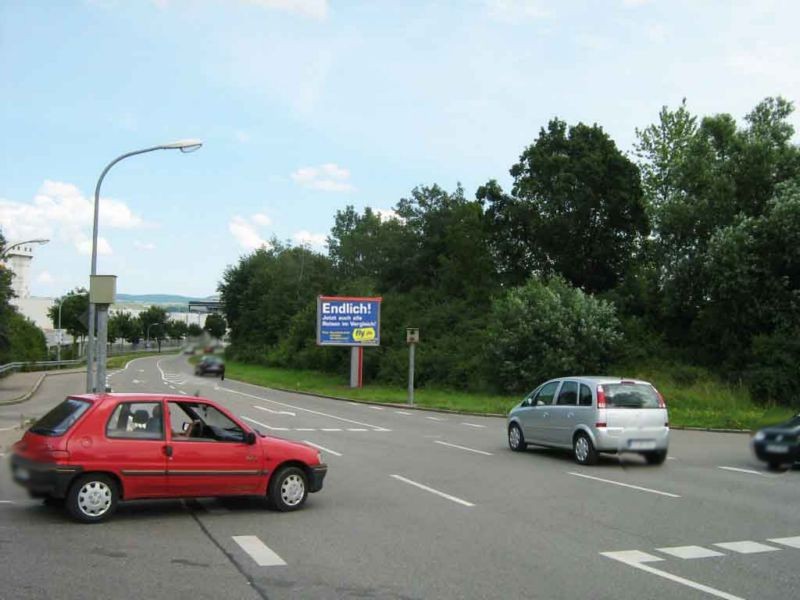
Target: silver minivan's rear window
630,395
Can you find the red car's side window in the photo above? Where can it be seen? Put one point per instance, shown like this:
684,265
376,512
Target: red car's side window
136,420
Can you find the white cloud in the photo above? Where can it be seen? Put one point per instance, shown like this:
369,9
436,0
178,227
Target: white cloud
315,9
144,245
386,214
84,245
517,10
261,219
635,3
318,241
60,211
45,278
242,136
329,177
246,234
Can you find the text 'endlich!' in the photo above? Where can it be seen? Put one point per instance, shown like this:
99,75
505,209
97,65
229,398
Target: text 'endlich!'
348,308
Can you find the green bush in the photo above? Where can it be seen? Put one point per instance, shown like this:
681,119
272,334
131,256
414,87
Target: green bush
773,377
549,329
26,342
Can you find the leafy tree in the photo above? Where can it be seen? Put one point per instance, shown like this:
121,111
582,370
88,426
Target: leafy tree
26,342
124,325
6,293
215,325
194,330
177,329
576,208
74,308
154,323
549,329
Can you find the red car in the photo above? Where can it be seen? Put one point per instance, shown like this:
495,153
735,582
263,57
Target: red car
94,450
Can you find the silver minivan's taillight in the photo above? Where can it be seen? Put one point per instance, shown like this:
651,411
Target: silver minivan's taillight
601,397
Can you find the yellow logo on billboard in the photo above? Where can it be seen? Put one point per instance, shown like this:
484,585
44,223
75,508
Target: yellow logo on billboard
364,334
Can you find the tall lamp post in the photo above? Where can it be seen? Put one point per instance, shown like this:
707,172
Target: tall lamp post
12,246
147,337
93,381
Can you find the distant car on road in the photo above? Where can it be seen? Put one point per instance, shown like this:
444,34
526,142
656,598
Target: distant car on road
779,445
93,450
210,364
590,415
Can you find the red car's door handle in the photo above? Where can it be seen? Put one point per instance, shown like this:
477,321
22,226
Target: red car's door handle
168,450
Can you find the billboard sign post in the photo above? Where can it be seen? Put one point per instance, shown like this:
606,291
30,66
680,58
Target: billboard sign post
349,321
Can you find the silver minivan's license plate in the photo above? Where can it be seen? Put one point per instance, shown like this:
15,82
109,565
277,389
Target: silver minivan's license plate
641,445
777,449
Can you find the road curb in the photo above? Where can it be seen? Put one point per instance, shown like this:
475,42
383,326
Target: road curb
26,395
713,430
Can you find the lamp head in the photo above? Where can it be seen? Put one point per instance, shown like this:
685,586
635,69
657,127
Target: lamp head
185,146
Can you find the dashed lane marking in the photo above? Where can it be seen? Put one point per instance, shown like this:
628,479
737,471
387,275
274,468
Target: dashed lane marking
690,552
433,491
637,560
182,392
627,485
747,547
402,412
260,424
259,551
463,448
305,428
275,412
323,448
435,419
308,410
792,542
353,429
738,470
330,429
376,407
474,425
6,502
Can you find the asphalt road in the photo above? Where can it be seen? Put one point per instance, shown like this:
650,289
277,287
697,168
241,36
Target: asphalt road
418,504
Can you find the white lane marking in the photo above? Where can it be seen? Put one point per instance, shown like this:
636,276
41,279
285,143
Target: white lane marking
140,370
323,448
630,558
688,552
463,448
263,424
792,542
402,412
737,470
6,502
433,491
671,458
355,403
474,425
434,418
275,412
376,407
352,429
259,551
135,381
627,485
182,392
7,428
314,412
172,387
746,547
306,429
2,454
330,429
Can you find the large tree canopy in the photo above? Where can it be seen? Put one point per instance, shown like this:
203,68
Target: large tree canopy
576,208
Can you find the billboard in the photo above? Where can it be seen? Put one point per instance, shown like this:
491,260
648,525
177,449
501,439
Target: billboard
346,321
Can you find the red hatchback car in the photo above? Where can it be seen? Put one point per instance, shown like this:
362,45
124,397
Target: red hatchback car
96,449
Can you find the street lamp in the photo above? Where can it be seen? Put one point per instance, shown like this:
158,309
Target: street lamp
12,246
185,146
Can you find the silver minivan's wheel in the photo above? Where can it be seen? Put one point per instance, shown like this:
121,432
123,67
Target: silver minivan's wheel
516,441
656,457
288,489
584,451
92,498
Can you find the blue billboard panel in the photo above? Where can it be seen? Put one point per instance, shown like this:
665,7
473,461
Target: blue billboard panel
346,321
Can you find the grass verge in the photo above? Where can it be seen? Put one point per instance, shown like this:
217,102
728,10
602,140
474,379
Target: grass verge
694,397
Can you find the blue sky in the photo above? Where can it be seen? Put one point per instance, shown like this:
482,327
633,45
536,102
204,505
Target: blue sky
306,106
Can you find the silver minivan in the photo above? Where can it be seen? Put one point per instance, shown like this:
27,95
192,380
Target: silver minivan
591,415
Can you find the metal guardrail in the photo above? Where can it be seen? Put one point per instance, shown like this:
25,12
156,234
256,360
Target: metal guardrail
46,364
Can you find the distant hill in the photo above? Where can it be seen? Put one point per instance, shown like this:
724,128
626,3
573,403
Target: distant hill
160,298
